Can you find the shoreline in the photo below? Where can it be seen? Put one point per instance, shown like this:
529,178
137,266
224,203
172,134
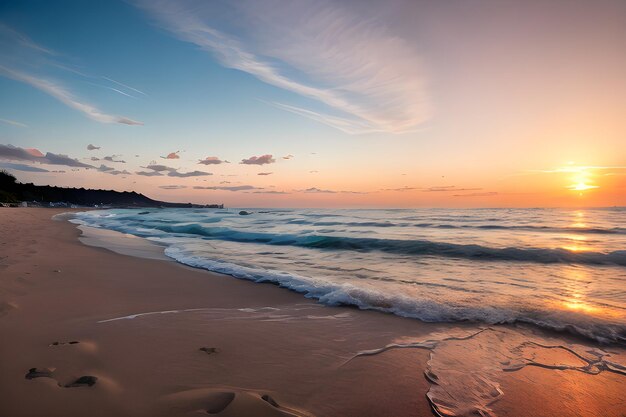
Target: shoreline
302,354
133,245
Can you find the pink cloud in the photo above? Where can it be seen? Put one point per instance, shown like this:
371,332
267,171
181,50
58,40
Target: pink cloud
259,160
172,155
34,152
211,160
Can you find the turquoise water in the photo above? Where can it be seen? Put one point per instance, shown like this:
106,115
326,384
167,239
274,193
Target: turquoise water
558,269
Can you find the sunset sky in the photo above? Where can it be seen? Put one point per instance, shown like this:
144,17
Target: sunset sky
319,104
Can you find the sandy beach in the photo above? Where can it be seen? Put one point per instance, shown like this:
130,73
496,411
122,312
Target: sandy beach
156,338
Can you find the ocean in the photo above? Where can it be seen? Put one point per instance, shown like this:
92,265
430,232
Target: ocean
559,269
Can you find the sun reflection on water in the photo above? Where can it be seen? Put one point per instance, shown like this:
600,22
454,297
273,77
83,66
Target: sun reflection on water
576,299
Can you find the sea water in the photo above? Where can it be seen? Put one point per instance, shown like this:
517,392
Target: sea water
561,269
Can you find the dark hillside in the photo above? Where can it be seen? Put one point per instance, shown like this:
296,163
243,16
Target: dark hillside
12,191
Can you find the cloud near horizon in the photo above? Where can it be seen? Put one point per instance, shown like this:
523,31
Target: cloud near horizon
149,173
401,189
188,174
259,160
91,147
315,190
446,188
212,160
485,194
172,187
228,188
270,192
112,159
172,155
22,167
158,170
112,171
16,153
368,79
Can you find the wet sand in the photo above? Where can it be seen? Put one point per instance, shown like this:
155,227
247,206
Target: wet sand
214,345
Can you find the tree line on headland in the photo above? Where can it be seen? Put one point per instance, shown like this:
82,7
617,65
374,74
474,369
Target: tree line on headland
15,192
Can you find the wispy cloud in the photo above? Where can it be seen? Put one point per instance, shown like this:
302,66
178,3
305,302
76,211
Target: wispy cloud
62,94
112,171
157,170
112,158
149,173
172,187
23,40
315,190
125,86
265,173
447,188
188,174
18,53
104,168
270,192
259,160
22,167
12,123
368,78
401,189
229,188
91,147
485,194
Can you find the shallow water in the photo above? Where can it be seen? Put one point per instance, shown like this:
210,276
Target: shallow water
555,268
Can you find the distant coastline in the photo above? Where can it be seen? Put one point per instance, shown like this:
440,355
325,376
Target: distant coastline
14,193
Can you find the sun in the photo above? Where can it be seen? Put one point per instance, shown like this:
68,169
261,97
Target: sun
580,179
581,186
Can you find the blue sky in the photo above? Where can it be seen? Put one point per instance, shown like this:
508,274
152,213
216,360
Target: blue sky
366,97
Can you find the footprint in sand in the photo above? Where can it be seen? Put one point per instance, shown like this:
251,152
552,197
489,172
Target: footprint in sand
83,381
5,307
227,403
39,373
85,346
208,350
73,342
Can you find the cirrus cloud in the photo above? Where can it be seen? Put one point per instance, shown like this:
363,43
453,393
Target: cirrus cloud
62,94
368,79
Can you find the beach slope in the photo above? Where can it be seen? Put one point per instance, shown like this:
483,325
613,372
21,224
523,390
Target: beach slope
86,331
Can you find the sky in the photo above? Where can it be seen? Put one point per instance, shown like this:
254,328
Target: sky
277,103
